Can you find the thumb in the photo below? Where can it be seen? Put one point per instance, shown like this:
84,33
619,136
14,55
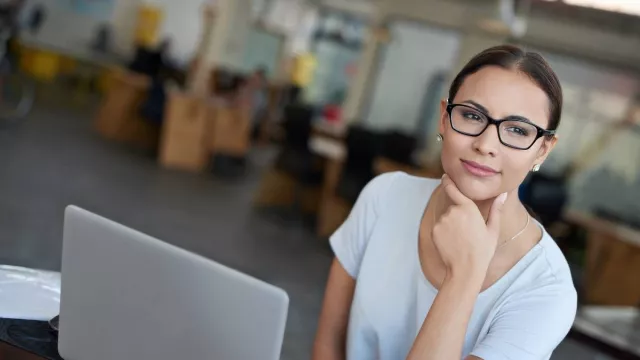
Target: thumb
495,215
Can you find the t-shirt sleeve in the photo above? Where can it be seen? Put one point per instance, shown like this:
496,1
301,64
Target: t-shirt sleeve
350,240
531,326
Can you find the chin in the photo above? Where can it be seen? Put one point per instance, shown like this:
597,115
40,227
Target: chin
477,189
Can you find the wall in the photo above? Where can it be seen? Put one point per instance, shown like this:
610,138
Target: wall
182,25
124,20
408,64
596,96
595,93
66,29
561,35
361,8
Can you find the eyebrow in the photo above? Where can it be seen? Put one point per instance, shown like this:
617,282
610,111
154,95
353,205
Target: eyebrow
510,117
475,104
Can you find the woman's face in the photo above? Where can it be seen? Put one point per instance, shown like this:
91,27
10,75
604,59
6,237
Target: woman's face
500,93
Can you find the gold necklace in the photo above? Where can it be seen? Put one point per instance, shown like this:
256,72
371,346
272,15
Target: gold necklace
518,234
435,208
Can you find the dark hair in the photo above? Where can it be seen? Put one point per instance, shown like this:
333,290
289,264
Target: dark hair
531,64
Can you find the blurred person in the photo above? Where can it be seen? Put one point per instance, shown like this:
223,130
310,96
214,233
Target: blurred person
260,89
457,268
10,11
153,62
252,93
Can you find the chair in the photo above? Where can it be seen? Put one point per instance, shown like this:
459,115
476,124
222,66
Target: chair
399,147
297,172
546,196
295,158
118,116
363,146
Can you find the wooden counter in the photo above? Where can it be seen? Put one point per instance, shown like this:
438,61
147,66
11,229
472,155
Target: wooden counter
612,264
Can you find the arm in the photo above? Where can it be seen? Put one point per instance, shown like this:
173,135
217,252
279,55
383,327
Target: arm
466,252
330,342
349,244
443,332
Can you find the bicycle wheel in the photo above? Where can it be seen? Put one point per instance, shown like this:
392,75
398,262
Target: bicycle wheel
17,94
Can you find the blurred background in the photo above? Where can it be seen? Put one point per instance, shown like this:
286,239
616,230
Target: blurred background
244,130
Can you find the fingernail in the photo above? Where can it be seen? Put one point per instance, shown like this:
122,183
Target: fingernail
502,198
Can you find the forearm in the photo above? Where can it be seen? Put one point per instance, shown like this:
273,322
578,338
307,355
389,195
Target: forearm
328,351
443,331
331,338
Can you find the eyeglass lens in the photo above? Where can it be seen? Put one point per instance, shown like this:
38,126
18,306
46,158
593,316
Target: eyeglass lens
472,122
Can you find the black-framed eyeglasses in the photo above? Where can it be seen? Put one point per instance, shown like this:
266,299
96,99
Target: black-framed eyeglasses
513,132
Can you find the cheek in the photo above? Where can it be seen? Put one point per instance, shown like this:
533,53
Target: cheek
456,145
515,169
453,149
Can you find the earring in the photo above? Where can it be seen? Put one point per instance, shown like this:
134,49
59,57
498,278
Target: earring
439,138
536,167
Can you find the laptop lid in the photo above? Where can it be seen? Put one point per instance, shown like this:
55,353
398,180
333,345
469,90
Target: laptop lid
126,295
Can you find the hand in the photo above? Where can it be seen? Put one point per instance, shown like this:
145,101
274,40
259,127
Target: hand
464,241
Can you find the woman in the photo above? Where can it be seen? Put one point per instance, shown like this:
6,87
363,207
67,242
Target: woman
457,268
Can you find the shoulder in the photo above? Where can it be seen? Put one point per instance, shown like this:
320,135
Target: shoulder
547,285
553,263
397,187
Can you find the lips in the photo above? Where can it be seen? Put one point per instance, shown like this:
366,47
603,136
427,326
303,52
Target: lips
478,169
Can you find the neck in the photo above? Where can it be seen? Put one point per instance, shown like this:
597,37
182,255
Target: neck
514,215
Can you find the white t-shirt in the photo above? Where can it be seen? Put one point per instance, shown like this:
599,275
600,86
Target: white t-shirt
523,316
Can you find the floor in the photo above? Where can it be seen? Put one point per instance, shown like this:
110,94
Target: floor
54,159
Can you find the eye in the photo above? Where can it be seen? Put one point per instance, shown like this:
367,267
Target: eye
471,115
517,130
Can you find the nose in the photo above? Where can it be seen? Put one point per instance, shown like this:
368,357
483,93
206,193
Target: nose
488,142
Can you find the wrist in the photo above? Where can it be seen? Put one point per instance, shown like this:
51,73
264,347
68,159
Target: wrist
471,277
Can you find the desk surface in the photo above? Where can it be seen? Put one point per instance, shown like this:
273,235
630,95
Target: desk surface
9,352
617,327
327,148
79,51
621,232
336,131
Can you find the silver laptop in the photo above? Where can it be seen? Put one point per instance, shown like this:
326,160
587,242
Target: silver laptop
126,295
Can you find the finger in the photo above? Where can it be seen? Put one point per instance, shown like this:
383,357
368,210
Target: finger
495,214
453,192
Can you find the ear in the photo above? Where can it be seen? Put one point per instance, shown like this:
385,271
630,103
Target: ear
547,145
444,117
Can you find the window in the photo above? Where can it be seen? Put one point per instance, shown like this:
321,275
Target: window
621,6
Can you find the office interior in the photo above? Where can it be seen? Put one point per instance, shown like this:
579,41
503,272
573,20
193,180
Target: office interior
244,131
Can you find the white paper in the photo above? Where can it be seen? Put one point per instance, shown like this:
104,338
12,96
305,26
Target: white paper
28,293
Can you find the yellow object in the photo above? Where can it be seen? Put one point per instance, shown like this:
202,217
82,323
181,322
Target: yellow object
67,65
42,65
150,19
106,79
303,69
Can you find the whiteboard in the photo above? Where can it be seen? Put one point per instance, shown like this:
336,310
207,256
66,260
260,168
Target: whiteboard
416,54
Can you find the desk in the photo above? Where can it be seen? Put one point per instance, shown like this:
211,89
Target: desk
79,51
333,210
27,340
328,148
333,149
335,131
614,331
612,261
8,352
